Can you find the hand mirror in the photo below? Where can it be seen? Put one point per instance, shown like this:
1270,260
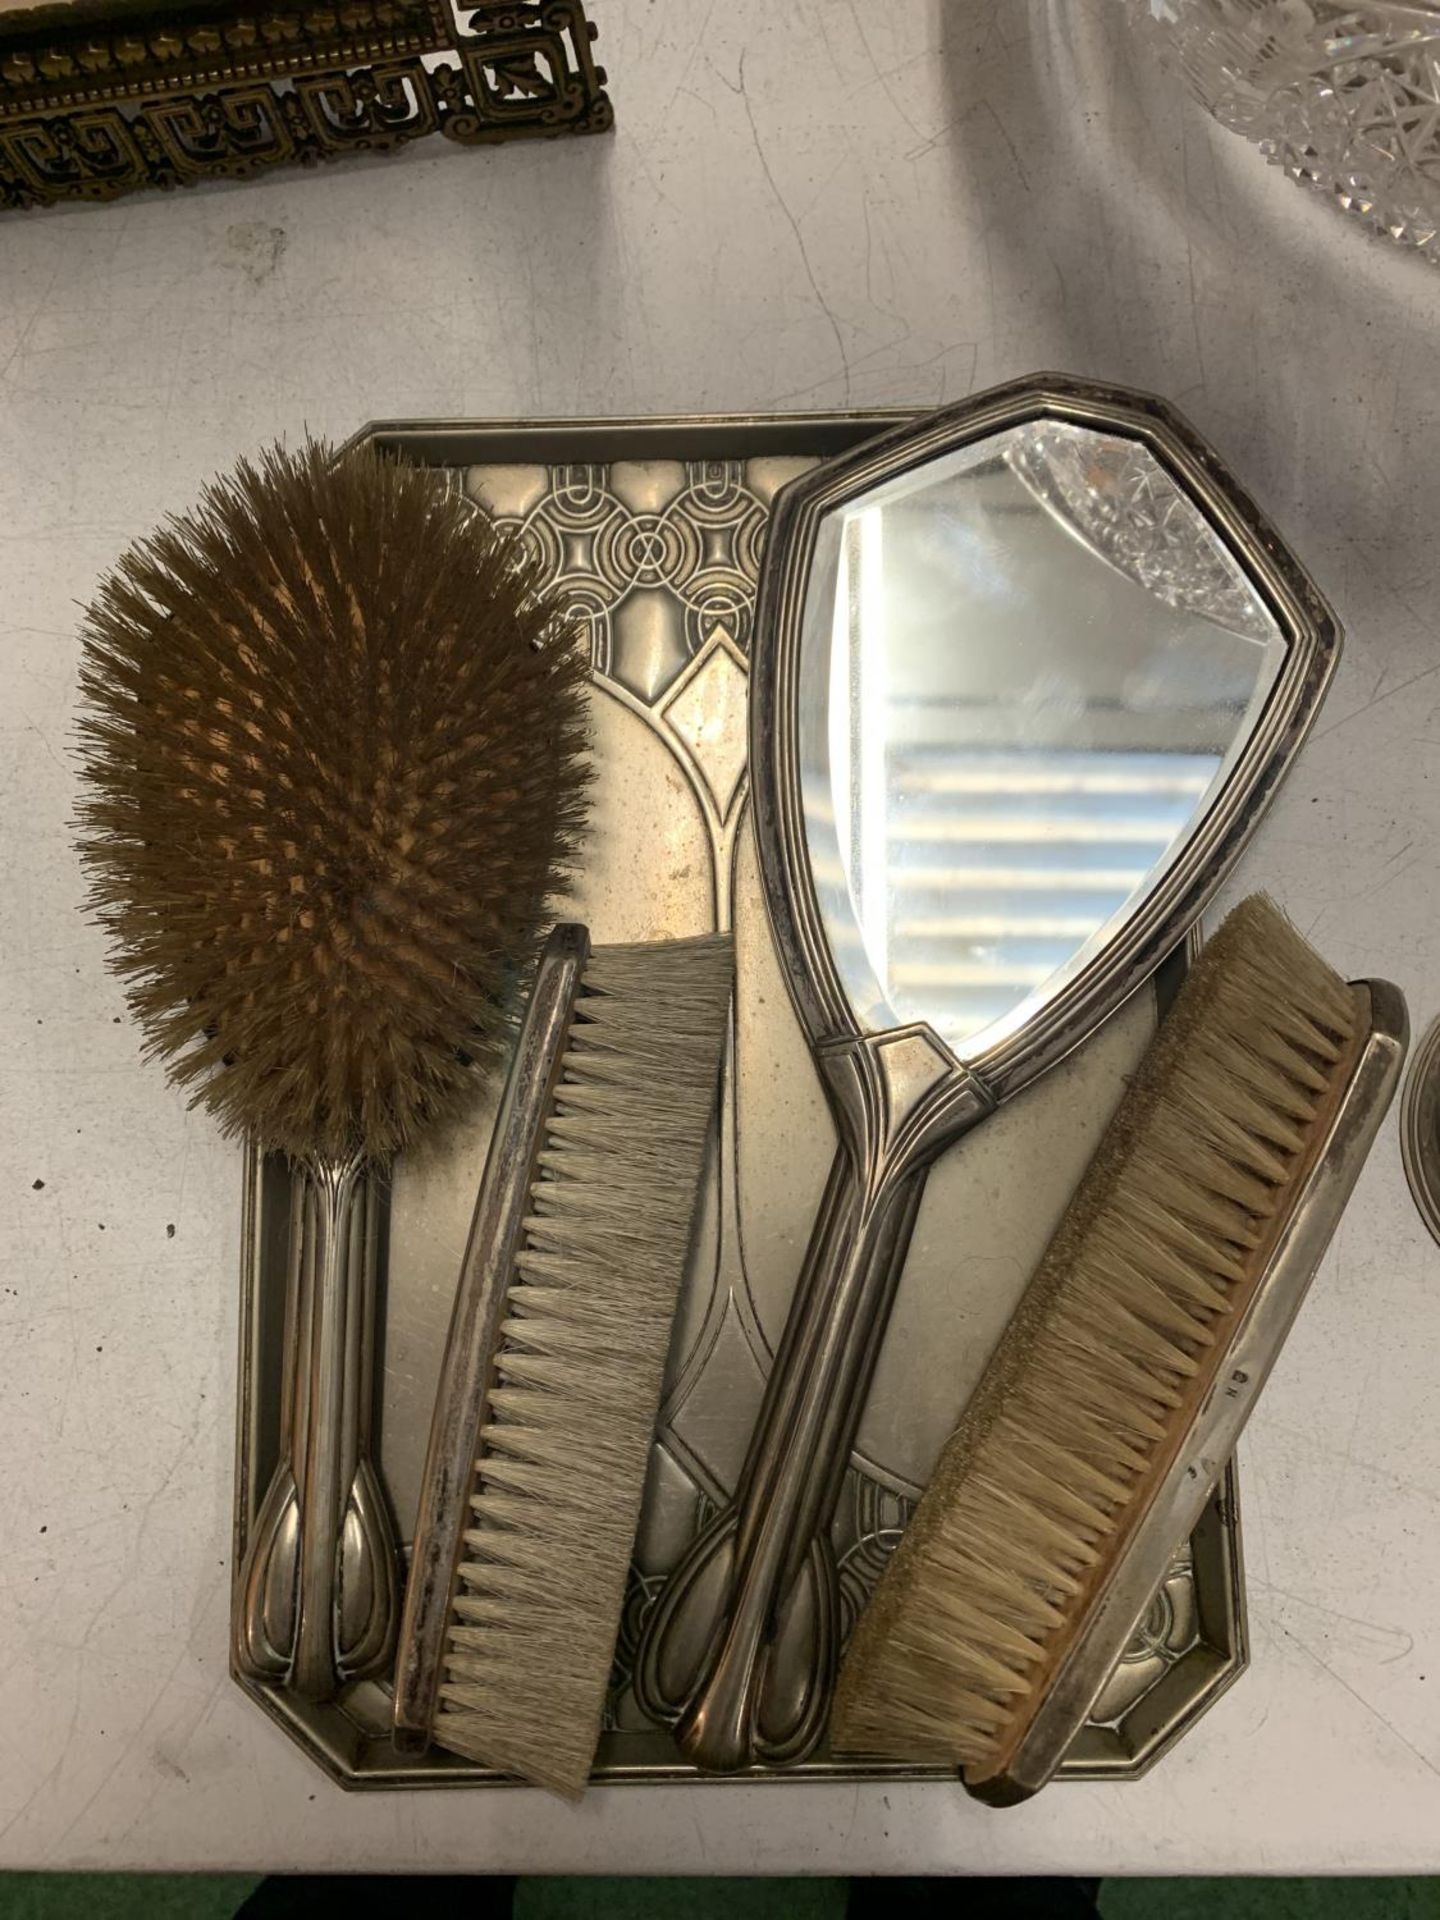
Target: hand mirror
1026,674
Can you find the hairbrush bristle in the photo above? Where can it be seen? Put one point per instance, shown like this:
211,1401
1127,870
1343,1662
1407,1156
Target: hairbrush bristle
333,738
577,1373
1117,1340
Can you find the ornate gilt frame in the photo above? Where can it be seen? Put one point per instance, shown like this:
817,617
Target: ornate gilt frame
100,97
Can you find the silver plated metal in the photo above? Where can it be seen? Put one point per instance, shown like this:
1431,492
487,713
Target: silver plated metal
1420,1129
317,1594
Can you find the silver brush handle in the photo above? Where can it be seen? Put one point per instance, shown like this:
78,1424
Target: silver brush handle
742,1648
316,1601
467,1368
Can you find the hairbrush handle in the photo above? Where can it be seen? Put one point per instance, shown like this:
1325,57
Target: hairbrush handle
316,1601
741,1650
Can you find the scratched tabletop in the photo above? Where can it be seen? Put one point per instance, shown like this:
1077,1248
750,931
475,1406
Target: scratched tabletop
835,202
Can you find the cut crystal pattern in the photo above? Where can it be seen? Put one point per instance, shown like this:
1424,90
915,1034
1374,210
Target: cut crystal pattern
1117,499
1345,99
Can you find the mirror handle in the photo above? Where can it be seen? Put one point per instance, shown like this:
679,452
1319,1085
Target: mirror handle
742,1648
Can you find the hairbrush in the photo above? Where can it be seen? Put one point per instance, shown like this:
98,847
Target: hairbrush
333,738
556,1355
1118,1391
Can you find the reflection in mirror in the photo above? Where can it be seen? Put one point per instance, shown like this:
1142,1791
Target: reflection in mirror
1025,668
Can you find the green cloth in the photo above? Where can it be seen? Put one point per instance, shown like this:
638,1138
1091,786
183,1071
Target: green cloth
121,1896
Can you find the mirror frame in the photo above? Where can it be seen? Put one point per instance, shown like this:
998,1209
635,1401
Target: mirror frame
1307,624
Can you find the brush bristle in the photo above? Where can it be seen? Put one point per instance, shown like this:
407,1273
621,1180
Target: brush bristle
333,740
579,1371
1117,1339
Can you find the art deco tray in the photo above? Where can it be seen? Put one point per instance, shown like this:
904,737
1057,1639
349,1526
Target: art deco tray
655,529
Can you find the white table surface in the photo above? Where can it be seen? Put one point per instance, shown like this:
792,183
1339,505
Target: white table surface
811,204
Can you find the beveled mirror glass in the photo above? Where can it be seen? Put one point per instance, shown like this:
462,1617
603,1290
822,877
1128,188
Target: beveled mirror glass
1025,667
